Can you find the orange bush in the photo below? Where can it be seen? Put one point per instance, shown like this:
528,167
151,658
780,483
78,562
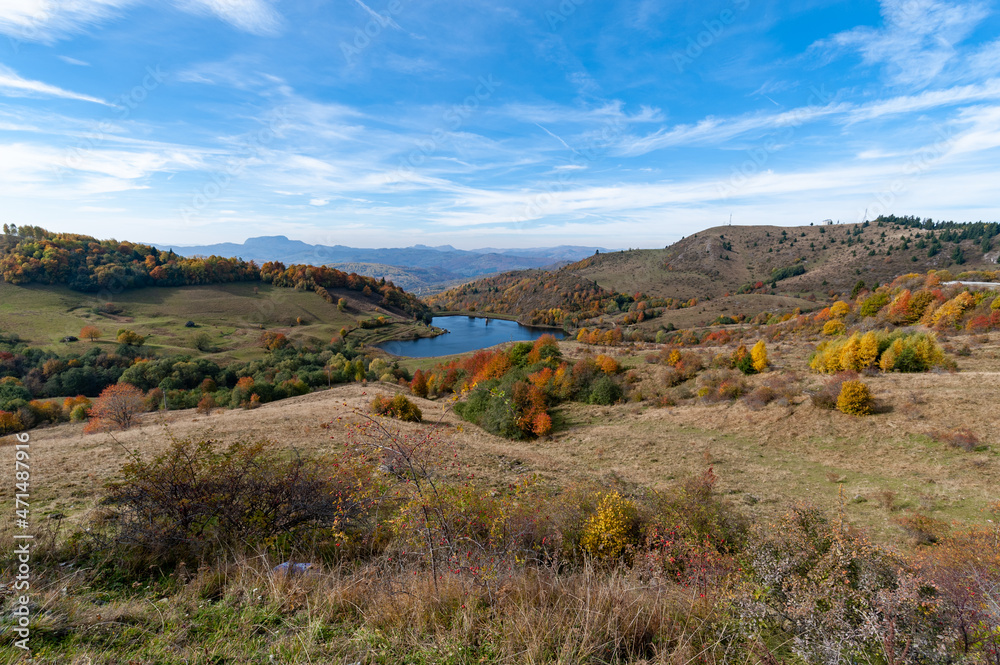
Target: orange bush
607,364
118,407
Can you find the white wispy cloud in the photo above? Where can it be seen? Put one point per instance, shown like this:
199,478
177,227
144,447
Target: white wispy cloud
13,85
254,16
46,21
917,42
73,61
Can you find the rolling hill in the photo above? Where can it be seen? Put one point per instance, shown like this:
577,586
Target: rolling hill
738,268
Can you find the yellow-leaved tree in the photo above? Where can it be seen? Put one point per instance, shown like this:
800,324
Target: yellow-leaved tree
868,350
759,356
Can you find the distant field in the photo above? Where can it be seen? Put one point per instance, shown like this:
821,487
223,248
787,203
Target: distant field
232,315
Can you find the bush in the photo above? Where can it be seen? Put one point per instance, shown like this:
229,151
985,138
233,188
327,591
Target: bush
419,384
721,385
611,529
758,355
960,437
855,399
826,397
79,413
244,496
605,391
10,422
206,404
398,407
118,407
897,351
834,327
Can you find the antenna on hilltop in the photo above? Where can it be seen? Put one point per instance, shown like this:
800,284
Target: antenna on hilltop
866,214
730,219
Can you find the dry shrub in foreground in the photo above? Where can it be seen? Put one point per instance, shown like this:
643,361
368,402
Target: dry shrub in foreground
965,570
198,499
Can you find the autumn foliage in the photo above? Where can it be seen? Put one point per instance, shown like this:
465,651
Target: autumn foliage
117,408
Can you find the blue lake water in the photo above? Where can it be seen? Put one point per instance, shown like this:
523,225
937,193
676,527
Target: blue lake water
466,333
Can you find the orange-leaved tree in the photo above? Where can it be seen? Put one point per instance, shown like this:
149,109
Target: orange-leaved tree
118,407
90,332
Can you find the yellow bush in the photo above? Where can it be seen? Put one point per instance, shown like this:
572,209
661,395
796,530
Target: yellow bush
855,398
996,303
839,309
888,360
759,356
868,350
675,356
827,357
834,327
850,352
609,530
948,314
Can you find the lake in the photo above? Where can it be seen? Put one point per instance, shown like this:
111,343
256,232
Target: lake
466,333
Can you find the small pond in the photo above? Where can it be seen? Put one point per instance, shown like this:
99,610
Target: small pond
466,333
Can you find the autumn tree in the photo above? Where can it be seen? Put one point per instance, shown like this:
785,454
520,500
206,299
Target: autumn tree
273,341
90,332
419,384
758,355
130,337
117,408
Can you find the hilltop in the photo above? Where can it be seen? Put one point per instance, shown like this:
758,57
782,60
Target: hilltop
747,269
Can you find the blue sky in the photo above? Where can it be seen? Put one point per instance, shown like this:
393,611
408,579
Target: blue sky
543,122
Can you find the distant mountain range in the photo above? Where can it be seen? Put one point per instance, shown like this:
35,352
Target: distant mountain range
420,267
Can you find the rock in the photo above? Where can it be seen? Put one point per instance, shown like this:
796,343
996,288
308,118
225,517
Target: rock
291,568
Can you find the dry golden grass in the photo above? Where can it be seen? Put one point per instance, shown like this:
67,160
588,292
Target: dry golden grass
765,458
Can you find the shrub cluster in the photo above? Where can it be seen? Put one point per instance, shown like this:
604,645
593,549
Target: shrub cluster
398,407
896,351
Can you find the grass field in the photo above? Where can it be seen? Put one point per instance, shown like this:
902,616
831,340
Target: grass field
231,315
765,459
873,471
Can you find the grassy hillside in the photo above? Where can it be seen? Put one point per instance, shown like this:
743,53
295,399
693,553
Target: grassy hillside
420,281
231,315
717,263
881,474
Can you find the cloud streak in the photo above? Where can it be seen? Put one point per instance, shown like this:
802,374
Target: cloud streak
13,85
